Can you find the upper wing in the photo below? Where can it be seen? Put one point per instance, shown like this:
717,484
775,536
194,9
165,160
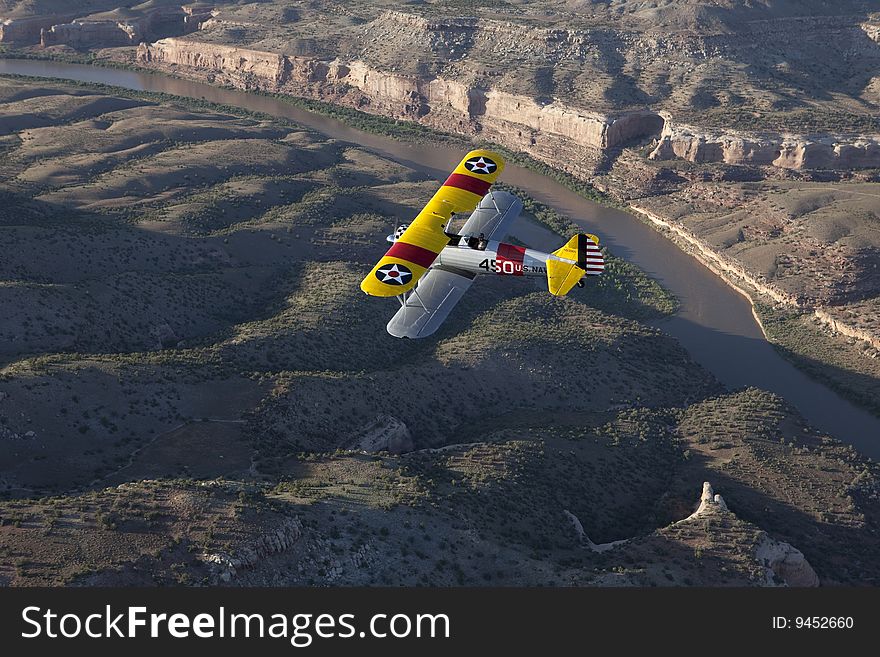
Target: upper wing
430,304
420,244
493,217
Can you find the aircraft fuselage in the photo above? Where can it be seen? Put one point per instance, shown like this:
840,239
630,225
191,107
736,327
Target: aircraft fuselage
497,258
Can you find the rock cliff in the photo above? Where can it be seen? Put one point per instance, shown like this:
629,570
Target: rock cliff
272,541
101,31
84,34
785,564
545,130
789,151
243,67
567,134
26,31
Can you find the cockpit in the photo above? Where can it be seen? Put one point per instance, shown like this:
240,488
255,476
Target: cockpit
476,242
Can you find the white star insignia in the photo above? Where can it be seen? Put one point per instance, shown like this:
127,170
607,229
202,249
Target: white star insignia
393,274
481,165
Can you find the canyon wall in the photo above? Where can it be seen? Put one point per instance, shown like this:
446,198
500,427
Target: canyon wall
26,31
84,34
566,137
78,32
247,68
728,270
789,151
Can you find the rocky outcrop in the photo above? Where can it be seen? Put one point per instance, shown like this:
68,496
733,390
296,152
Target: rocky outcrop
785,564
81,33
26,31
872,29
386,434
709,503
246,68
579,126
270,542
196,15
88,34
789,151
843,328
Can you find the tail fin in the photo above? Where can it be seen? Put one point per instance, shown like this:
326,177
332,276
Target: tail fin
579,256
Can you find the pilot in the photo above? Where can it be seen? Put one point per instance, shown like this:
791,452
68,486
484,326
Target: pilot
482,242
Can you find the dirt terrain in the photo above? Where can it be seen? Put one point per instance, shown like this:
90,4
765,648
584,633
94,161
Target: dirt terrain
189,377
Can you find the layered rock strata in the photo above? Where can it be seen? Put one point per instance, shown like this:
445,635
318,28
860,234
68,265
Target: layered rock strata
788,151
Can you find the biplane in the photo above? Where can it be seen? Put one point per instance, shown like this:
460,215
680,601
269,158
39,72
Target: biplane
429,268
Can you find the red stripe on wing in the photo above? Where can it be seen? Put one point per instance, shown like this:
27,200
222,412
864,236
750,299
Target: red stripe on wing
412,253
468,183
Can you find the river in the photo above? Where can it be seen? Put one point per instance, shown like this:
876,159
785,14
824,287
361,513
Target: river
715,323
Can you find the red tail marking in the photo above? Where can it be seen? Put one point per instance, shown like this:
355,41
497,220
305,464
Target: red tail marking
508,253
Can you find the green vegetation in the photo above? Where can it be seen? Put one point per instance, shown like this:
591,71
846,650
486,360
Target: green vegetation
800,121
569,181
87,57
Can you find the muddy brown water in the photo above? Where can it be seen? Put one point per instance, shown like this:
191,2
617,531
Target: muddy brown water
715,323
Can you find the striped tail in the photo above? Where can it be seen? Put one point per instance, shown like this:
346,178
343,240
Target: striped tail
590,255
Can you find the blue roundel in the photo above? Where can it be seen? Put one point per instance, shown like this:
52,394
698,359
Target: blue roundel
482,164
394,274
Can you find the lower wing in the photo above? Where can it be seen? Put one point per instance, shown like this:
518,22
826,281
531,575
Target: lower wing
430,303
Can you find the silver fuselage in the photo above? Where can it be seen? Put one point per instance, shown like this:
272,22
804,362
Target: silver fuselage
497,258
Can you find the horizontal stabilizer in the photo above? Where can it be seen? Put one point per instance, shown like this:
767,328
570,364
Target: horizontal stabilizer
562,276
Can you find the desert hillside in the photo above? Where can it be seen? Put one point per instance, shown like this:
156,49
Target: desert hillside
192,389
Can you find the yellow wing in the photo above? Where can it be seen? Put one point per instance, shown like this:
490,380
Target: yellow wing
420,244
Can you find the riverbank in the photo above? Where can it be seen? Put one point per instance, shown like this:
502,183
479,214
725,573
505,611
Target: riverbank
825,348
